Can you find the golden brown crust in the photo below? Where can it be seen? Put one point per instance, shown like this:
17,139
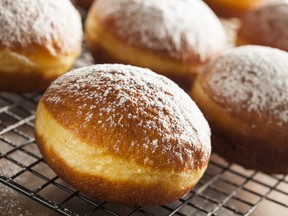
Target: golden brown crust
30,25
252,139
262,155
123,134
24,82
129,193
232,8
235,139
131,115
37,46
265,25
84,3
109,26
168,51
102,55
22,71
225,10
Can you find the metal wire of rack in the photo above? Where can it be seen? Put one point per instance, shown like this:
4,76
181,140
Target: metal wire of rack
225,189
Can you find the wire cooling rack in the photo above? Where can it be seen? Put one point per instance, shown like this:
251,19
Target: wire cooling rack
225,189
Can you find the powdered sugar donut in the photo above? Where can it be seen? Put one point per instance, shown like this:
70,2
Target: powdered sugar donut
266,25
244,95
123,134
173,38
39,40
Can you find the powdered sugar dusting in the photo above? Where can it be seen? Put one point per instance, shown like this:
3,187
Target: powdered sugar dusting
253,78
141,104
56,24
179,27
270,21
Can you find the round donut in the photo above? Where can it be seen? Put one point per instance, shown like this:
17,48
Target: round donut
232,8
173,38
244,96
84,3
266,25
123,134
39,40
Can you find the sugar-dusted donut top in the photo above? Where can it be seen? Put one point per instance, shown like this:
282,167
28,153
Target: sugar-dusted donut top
133,113
183,29
253,79
267,25
54,25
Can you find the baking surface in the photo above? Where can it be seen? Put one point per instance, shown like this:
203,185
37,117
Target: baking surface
225,189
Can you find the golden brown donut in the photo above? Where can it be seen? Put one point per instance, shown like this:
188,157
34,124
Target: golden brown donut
244,96
123,134
266,25
173,38
232,8
39,40
84,3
